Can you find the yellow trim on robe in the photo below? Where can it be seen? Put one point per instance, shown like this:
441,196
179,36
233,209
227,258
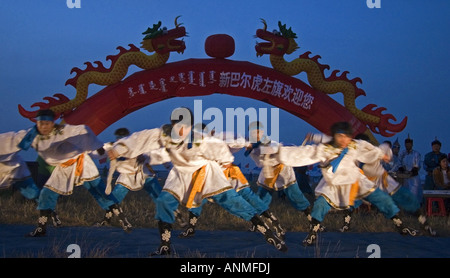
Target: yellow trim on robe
197,182
270,182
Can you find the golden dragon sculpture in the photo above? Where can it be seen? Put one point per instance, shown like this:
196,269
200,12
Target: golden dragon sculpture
159,40
282,41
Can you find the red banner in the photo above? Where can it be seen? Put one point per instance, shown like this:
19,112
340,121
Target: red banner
200,77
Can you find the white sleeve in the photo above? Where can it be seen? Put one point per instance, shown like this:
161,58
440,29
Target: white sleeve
386,150
82,137
368,153
138,143
321,138
297,156
10,140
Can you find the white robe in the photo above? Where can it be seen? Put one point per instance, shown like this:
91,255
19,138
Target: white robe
235,143
336,187
12,169
64,143
285,178
147,142
376,172
132,173
210,153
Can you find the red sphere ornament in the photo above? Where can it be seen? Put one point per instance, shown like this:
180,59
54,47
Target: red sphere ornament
219,46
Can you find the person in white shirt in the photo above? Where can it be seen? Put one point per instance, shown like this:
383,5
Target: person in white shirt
343,181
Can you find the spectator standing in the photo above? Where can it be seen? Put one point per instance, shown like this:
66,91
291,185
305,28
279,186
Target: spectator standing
430,162
410,164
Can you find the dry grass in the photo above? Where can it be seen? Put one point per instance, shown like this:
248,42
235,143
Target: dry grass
80,209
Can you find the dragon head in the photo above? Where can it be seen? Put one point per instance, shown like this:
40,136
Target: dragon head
278,42
162,40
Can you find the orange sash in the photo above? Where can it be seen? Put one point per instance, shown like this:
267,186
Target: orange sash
79,167
197,182
385,181
270,182
354,191
233,172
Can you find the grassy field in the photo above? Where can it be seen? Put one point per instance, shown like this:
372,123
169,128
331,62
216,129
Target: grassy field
80,209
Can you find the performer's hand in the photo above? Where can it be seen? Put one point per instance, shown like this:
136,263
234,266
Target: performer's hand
414,171
309,137
101,151
248,150
401,169
112,154
386,158
251,147
141,159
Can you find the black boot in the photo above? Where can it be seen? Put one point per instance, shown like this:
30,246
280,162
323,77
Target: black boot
268,234
117,210
190,230
55,218
106,221
41,229
252,228
274,224
165,231
402,229
313,233
426,227
179,218
347,219
307,213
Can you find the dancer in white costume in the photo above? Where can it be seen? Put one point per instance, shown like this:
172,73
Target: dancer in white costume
135,174
240,184
274,176
66,147
196,175
343,181
402,197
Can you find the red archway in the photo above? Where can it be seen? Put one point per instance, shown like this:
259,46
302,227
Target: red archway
200,77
